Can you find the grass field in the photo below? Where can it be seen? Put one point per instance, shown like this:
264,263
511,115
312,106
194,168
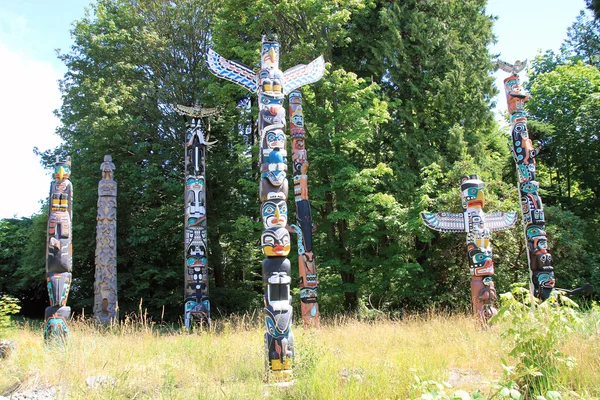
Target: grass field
345,359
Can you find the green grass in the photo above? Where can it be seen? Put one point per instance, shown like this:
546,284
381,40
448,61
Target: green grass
345,359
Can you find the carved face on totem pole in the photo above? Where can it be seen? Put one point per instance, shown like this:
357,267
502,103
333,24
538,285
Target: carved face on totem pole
62,169
274,168
274,213
270,54
480,260
471,189
273,140
516,97
275,242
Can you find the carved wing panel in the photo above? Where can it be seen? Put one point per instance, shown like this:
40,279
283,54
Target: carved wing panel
301,75
232,71
444,222
500,220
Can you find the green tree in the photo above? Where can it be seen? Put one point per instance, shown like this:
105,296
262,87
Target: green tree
557,99
583,40
130,61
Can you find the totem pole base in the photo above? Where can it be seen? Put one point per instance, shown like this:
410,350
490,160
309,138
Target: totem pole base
483,296
282,378
56,329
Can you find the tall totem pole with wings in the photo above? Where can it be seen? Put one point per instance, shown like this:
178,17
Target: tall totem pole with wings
197,305
272,85
478,225
541,272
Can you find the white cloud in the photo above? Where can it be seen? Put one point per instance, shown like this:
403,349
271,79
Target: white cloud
29,94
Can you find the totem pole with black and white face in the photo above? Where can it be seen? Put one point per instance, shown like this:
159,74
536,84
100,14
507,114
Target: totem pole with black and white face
59,252
272,85
478,225
197,304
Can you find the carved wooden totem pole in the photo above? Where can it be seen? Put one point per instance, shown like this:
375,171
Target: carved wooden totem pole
538,253
105,282
272,85
541,272
306,259
59,252
478,225
197,305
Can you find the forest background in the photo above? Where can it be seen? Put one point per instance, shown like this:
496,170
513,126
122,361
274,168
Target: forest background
404,110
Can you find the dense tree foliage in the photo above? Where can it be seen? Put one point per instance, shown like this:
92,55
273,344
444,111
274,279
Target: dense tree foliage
403,111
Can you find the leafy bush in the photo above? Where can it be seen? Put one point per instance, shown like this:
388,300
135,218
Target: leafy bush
8,305
535,334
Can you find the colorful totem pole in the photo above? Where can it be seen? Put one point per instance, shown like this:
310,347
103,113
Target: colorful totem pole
538,253
197,305
478,225
59,252
105,282
306,259
541,272
272,85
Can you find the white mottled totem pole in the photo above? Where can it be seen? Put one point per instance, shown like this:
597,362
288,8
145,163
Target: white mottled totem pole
541,271
59,252
197,304
272,85
105,282
478,225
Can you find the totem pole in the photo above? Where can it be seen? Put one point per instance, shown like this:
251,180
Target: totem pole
105,282
272,86
59,252
541,272
478,225
304,228
197,305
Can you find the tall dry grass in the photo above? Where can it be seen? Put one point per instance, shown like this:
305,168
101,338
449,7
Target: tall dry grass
346,359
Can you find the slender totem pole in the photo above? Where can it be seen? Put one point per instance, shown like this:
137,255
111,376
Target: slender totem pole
59,252
304,228
534,223
272,86
105,282
197,305
541,272
478,225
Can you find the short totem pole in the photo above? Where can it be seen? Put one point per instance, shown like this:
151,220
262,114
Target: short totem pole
306,259
541,272
59,252
478,225
272,85
197,305
105,282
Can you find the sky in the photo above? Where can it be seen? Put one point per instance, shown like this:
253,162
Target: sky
32,30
